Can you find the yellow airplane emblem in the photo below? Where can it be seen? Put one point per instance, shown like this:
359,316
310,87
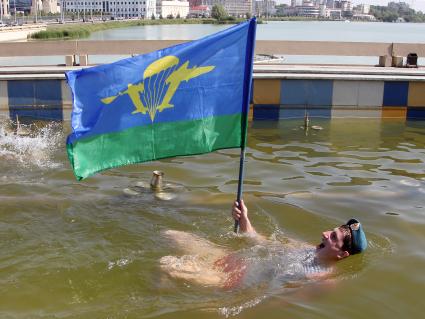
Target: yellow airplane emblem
161,76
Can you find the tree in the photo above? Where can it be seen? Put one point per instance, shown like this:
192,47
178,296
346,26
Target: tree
218,12
178,16
153,17
248,15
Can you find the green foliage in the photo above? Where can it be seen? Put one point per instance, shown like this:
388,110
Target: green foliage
396,10
153,17
83,30
218,12
248,15
74,33
170,16
178,16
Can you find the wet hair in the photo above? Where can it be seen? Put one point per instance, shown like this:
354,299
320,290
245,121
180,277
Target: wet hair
347,241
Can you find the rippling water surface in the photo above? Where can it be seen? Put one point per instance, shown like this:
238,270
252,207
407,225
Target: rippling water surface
86,249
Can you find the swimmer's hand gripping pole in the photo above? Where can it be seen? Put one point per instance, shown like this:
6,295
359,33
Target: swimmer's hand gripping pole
249,65
240,184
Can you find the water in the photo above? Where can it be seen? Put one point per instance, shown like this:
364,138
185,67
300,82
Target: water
282,30
73,249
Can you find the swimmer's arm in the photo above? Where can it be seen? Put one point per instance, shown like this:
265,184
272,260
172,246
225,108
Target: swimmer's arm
323,275
245,226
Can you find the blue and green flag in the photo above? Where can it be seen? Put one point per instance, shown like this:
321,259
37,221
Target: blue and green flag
188,99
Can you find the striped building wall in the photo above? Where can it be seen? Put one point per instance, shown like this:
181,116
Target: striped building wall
275,99
272,99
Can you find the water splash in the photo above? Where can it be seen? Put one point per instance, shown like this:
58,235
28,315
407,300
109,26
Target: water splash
30,145
122,262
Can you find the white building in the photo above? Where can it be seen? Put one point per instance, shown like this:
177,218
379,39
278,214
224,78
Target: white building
334,14
174,8
264,8
46,6
4,9
142,9
364,8
363,17
50,6
346,5
308,9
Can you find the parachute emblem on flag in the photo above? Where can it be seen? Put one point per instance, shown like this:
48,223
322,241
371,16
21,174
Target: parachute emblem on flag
161,80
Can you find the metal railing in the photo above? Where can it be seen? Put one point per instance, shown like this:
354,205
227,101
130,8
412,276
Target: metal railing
73,48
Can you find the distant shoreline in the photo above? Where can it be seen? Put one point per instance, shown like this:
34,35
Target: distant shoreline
84,29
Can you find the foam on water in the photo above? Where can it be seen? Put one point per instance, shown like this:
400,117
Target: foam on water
35,149
236,310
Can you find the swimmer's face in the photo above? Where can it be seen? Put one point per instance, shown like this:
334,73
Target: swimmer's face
331,246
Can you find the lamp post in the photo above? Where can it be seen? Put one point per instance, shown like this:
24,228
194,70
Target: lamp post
1,12
35,5
14,4
62,2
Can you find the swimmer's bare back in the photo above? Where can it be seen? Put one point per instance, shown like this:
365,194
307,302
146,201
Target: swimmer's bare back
197,262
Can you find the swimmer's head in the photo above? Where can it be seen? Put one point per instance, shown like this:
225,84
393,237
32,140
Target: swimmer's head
341,242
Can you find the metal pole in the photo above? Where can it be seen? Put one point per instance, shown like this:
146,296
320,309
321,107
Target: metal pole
240,184
247,95
1,11
62,11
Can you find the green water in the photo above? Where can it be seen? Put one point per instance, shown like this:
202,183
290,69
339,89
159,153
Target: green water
73,249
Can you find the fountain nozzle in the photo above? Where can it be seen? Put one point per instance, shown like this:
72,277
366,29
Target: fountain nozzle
156,181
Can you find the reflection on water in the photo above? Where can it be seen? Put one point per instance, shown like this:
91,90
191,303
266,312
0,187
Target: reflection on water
88,250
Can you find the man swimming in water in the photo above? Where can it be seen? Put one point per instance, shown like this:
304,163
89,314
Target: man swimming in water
208,264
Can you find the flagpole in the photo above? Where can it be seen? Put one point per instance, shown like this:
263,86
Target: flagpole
247,96
240,185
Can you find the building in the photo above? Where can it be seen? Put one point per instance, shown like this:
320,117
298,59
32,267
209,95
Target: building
196,3
363,17
333,14
21,5
364,8
173,8
308,9
141,9
236,8
264,8
346,6
50,6
4,9
200,11
330,4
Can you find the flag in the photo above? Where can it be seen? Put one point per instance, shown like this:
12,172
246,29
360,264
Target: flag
188,99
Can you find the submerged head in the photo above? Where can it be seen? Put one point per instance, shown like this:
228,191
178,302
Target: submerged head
341,242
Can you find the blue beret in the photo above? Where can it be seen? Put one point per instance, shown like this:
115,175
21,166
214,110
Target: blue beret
358,237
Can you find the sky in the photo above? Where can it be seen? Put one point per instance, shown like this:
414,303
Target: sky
418,5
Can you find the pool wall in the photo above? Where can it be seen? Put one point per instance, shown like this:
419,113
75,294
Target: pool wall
272,99
275,99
